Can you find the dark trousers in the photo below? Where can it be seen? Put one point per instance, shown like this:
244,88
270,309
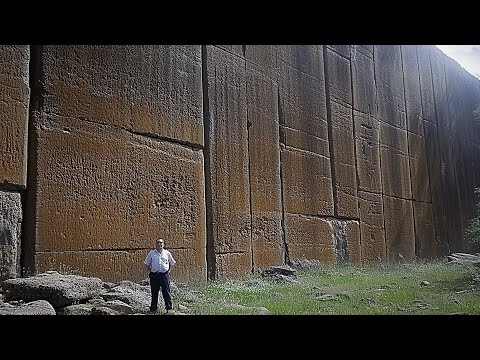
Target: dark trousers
160,281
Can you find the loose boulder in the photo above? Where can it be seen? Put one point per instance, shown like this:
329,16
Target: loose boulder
59,290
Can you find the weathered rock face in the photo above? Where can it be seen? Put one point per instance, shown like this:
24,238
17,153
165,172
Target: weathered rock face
14,102
240,156
10,234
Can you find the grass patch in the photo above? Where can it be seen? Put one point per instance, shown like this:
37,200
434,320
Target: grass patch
432,288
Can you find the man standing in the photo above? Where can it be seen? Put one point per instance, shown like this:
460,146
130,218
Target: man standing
159,262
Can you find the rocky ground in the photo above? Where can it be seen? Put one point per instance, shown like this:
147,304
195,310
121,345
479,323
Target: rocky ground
52,293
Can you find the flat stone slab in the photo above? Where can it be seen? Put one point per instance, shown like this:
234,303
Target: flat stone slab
39,307
59,290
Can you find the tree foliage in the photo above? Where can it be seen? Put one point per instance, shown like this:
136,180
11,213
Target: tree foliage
472,231
476,113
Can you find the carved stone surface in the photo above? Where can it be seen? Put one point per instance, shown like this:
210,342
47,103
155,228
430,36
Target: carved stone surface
310,238
399,229
103,195
149,89
14,102
372,230
395,165
264,162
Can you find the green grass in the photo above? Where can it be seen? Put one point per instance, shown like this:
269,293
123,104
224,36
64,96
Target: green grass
410,289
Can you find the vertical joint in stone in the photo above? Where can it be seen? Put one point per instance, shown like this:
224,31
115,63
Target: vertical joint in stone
210,253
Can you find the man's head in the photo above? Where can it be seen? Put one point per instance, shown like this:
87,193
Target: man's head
159,244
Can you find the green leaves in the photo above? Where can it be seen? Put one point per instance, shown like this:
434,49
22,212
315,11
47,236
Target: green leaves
476,113
472,232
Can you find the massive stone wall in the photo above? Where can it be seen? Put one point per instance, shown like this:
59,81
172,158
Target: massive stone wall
14,105
240,156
